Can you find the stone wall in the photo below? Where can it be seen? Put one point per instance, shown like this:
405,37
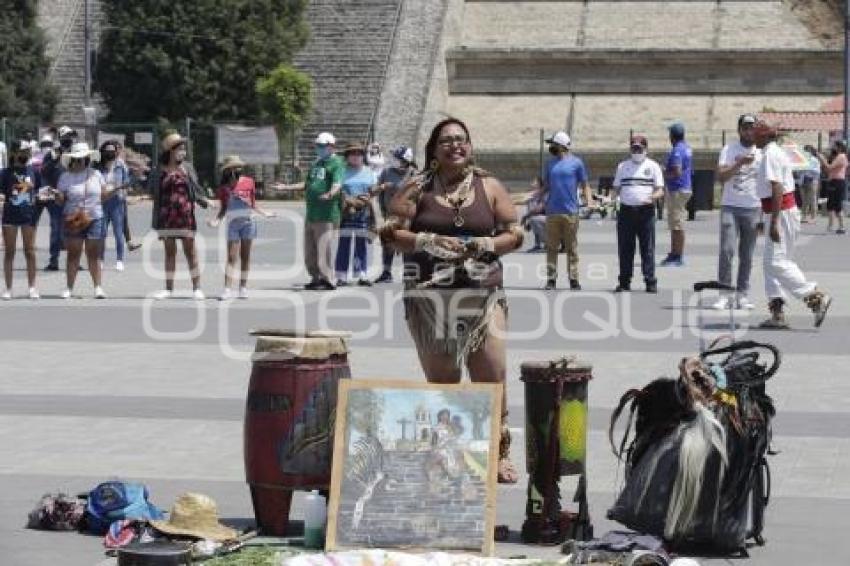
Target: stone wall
409,73
600,69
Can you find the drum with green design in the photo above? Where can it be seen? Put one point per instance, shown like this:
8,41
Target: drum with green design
556,446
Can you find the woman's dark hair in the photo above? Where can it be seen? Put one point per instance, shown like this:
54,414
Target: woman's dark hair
431,146
841,146
165,156
443,412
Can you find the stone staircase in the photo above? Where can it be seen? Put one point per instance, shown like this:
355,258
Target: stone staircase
64,25
405,510
347,58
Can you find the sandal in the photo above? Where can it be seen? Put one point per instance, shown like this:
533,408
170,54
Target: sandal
507,472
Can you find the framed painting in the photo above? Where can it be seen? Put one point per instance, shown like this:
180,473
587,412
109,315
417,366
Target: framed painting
414,466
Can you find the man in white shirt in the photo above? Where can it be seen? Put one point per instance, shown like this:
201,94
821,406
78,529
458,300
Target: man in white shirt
639,182
740,212
781,273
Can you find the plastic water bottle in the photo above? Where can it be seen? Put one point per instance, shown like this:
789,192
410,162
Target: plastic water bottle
315,516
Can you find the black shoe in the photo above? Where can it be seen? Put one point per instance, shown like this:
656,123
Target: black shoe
133,246
325,285
386,277
364,283
52,267
652,288
550,285
621,288
312,285
574,285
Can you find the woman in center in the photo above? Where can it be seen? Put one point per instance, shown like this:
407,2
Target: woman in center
453,223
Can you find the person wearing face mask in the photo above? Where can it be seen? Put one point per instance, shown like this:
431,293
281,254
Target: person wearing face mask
175,190
390,181
18,185
678,171
639,183
117,178
357,186
238,199
323,199
51,170
740,212
81,192
375,158
563,177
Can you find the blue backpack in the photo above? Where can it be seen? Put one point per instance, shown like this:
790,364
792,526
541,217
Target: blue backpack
116,500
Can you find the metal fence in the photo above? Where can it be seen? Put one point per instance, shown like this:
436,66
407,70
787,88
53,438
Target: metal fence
144,139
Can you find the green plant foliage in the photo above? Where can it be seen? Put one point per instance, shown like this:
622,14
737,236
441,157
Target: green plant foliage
285,96
24,90
160,58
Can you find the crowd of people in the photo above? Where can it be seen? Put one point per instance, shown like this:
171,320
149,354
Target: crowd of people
350,194
451,221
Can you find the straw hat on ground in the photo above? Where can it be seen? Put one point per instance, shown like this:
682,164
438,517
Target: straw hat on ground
79,150
232,161
195,515
171,141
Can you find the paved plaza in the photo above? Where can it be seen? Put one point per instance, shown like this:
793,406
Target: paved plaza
154,391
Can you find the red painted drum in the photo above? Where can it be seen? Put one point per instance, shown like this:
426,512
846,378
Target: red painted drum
289,418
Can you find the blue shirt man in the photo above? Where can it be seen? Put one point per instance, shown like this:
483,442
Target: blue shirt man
679,166
563,176
677,175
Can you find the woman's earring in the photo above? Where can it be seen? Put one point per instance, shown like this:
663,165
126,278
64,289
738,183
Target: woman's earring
435,165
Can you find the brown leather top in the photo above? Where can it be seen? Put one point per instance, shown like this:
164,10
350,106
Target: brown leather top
479,220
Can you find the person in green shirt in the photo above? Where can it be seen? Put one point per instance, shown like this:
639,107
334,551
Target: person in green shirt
323,197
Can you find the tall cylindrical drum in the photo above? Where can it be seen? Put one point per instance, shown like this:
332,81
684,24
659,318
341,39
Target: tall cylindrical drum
556,446
289,418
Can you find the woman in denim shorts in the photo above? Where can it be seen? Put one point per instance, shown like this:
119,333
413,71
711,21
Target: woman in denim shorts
19,184
82,189
238,199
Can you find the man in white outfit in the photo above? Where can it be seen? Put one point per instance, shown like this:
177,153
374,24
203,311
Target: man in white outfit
781,273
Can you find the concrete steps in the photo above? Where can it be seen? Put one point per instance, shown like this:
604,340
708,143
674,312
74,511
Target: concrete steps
347,58
407,508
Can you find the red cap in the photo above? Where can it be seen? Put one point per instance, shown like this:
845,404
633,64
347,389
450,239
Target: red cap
639,140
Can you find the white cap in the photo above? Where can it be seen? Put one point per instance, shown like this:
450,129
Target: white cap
560,138
67,131
325,138
46,138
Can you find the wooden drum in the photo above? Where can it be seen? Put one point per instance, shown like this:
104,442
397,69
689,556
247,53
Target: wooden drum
289,418
556,445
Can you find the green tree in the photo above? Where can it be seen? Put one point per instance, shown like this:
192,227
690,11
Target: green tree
285,96
365,411
24,90
160,58
474,405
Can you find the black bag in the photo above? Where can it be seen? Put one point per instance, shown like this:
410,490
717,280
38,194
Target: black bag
729,507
